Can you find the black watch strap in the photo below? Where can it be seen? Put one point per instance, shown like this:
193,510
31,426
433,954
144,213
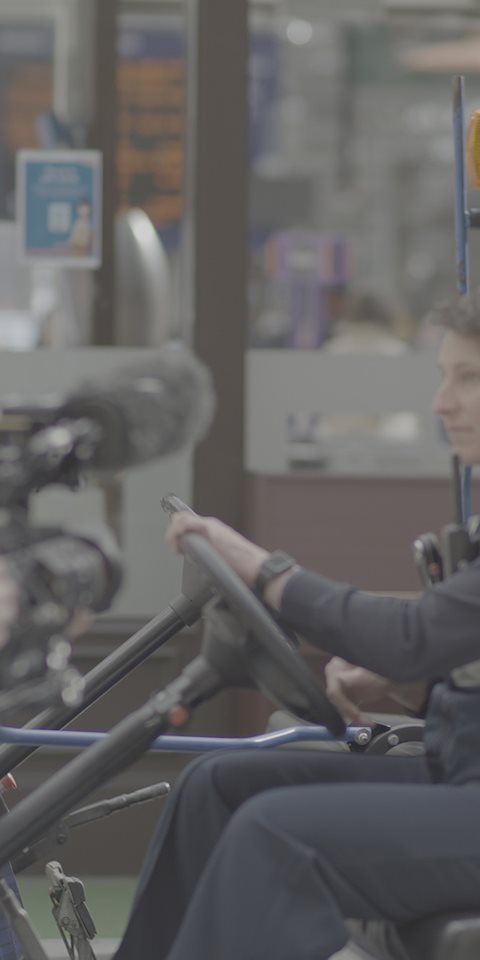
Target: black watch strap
276,563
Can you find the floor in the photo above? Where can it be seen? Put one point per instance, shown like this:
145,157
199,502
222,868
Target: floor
109,900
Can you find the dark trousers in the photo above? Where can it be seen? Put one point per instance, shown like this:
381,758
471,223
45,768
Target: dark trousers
261,855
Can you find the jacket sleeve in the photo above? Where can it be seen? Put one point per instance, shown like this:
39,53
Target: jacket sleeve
403,640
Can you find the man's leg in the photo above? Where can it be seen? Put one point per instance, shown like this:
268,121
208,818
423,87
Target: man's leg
294,863
204,799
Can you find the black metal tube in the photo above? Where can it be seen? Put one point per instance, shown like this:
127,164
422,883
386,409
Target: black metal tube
128,741
106,675
49,802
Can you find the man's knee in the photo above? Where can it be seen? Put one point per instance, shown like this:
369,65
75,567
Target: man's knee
250,820
255,815
199,775
218,775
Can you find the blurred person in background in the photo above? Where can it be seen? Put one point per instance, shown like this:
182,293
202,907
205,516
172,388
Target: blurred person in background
368,326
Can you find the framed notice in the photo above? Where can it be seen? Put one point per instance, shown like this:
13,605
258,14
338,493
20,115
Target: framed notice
59,207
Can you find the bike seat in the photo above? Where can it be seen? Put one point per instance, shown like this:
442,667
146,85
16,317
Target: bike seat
454,936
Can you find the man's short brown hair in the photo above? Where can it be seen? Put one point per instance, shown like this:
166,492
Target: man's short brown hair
461,314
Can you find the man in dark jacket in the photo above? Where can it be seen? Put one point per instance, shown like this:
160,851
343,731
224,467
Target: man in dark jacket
265,855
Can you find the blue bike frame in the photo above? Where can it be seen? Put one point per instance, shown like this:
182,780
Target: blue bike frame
184,744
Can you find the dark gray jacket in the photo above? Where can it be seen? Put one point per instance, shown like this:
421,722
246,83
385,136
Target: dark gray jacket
407,640
452,734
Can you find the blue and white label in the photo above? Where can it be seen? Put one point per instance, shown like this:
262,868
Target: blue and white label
59,207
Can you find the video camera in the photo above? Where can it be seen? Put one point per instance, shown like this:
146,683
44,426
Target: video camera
56,572
133,417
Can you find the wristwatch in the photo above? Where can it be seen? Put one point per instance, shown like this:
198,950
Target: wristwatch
276,563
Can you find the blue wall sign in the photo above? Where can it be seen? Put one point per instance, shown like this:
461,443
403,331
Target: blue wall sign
59,206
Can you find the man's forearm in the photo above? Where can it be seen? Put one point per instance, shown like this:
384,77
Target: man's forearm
274,589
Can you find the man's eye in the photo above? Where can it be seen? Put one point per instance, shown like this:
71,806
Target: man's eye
470,376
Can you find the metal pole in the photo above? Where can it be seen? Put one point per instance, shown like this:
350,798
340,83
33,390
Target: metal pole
106,675
462,479
457,480
103,137
215,248
461,214
166,743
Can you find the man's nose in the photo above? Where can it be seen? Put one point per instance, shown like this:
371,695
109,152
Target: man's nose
445,400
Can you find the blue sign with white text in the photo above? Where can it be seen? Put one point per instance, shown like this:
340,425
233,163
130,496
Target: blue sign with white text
59,206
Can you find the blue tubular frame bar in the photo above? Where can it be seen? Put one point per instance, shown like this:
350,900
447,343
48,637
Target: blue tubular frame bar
462,223
184,744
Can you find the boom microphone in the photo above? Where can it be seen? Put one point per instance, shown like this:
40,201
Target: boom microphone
143,412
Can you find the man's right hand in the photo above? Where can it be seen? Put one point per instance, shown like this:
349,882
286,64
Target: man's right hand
347,687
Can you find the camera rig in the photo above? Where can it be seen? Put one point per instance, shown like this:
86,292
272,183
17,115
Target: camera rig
56,572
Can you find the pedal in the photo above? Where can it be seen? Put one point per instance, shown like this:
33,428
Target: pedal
70,912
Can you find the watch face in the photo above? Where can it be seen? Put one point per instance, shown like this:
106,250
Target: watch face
279,562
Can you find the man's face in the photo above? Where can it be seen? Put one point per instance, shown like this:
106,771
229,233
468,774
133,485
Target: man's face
457,400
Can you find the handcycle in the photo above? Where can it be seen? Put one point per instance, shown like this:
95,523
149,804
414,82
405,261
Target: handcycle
243,644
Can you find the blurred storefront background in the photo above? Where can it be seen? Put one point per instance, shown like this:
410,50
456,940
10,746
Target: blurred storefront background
350,144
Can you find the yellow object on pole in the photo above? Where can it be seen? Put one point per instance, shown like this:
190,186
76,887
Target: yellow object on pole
473,150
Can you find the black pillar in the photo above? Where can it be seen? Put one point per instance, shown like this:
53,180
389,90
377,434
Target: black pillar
216,238
103,137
